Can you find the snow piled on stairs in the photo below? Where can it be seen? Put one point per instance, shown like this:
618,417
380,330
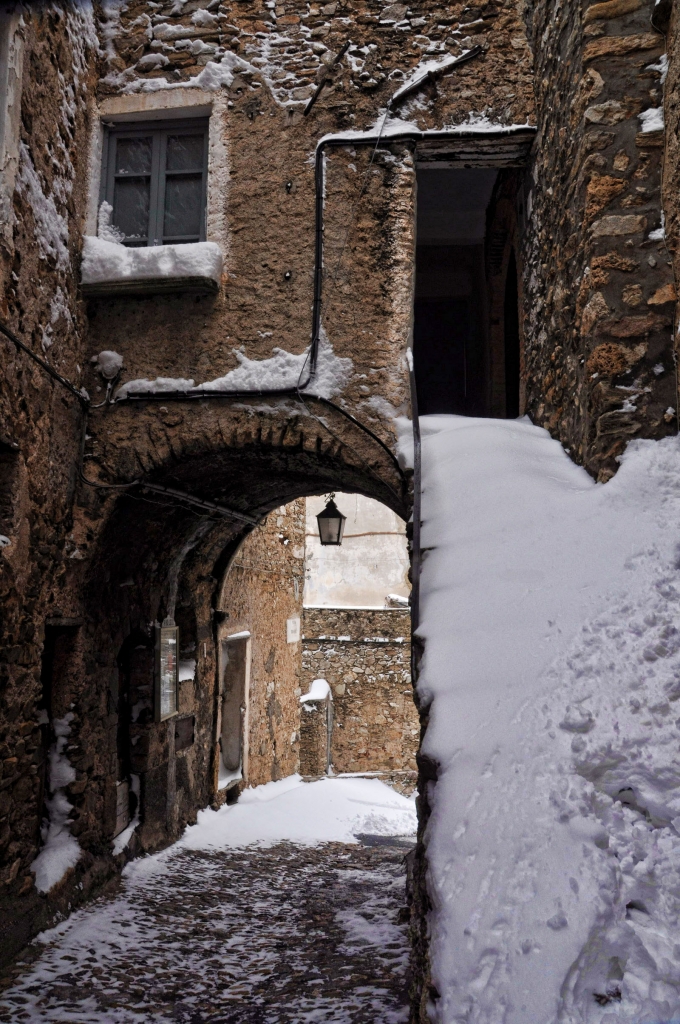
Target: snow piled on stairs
550,614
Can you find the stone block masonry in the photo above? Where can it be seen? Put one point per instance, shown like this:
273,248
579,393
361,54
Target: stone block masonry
261,592
313,739
364,655
91,567
599,286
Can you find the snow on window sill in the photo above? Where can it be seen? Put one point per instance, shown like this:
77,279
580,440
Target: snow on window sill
109,268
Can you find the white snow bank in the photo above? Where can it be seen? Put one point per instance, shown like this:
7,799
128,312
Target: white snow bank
158,385
549,610
108,363
651,120
308,813
60,850
319,690
105,262
425,68
215,75
282,370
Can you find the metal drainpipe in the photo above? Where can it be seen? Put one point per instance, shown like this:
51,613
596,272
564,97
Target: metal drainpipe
415,534
329,734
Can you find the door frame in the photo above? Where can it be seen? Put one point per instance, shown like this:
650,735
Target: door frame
243,636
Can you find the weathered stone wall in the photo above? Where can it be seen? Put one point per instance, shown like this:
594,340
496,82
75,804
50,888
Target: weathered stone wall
599,290
97,567
314,717
671,176
132,546
365,657
44,181
274,58
262,590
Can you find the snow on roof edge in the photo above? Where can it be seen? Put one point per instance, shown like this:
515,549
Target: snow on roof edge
393,127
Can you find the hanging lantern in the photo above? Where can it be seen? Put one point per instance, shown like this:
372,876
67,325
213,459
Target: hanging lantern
331,523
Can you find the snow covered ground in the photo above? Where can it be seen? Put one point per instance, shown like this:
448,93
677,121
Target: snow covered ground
329,811
266,912
550,614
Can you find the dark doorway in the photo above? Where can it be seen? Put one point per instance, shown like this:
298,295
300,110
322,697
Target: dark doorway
449,335
511,336
134,708
56,671
466,324
234,707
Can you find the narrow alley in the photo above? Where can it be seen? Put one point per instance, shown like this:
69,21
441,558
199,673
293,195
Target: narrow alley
339,504
281,934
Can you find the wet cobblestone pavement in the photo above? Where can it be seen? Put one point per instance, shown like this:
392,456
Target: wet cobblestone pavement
285,935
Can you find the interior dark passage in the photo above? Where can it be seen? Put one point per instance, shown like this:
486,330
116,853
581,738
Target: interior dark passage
511,347
466,327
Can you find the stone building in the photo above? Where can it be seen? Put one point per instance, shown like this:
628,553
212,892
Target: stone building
356,637
221,226
365,656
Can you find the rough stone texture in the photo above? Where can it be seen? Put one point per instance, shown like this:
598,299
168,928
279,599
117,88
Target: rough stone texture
314,738
40,423
262,590
364,655
101,565
90,569
671,181
599,296
241,937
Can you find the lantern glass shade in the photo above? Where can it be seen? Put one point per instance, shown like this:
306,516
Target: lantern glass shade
331,524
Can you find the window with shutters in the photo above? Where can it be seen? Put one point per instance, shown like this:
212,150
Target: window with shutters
155,179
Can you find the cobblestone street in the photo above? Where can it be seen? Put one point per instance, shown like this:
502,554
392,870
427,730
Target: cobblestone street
284,935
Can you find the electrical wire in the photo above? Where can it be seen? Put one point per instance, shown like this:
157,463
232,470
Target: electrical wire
80,394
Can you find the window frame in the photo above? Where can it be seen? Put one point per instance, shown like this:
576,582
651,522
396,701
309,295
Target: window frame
159,131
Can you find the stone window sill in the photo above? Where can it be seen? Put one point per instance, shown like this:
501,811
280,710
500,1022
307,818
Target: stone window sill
111,269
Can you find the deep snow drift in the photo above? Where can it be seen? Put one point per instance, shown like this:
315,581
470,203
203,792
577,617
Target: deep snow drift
550,613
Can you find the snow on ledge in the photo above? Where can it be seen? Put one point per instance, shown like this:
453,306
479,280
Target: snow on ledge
106,262
651,120
281,370
319,690
385,127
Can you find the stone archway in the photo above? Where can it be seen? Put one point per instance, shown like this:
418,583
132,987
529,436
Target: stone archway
150,552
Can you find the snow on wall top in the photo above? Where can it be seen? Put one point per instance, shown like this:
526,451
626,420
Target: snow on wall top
549,609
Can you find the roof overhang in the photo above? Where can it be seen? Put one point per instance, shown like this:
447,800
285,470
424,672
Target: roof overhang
505,148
